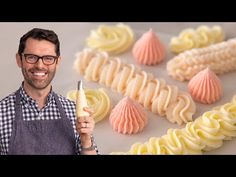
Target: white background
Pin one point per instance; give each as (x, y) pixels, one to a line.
(72, 37)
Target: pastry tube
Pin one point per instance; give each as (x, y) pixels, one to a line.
(81, 101)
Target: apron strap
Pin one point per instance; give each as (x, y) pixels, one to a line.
(61, 110)
(18, 109)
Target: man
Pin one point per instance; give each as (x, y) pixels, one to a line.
(34, 119)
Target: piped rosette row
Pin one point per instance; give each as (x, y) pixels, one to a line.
(98, 101)
(154, 94)
(220, 58)
(206, 133)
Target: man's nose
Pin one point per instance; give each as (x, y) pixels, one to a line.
(40, 63)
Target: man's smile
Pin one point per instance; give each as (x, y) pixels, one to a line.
(39, 74)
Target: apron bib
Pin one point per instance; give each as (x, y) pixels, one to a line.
(41, 137)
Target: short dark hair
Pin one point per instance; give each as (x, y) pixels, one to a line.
(40, 34)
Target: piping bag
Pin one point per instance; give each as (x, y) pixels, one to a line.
(81, 101)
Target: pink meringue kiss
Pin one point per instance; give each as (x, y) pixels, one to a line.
(149, 50)
(205, 87)
(128, 117)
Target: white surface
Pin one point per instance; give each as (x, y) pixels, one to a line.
(72, 37)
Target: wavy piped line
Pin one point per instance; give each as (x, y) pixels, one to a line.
(126, 79)
(190, 38)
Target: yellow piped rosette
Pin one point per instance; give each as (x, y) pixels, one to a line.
(97, 99)
(112, 39)
(204, 134)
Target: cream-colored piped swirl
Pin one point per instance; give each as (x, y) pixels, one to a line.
(228, 123)
(205, 87)
(112, 39)
(128, 117)
(234, 99)
(149, 50)
(204, 134)
(154, 94)
(98, 101)
(203, 36)
(220, 58)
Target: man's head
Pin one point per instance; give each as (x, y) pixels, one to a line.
(40, 34)
(38, 57)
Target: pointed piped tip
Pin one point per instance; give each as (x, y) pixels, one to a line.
(208, 69)
(151, 32)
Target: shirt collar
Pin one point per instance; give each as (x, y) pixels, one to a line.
(25, 97)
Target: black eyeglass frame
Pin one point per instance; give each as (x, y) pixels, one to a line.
(55, 58)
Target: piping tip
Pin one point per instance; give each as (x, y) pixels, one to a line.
(80, 85)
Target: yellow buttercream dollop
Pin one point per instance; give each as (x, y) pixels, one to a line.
(112, 39)
(97, 99)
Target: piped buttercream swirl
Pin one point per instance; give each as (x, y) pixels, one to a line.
(190, 38)
(98, 101)
(112, 39)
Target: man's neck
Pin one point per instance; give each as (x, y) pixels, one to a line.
(39, 95)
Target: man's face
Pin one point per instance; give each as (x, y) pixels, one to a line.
(38, 75)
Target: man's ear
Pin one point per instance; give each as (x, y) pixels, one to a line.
(18, 60)
(58, 61)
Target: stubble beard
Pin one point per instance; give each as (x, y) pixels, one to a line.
(37, 84)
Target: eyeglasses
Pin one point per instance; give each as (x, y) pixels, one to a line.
(47, 59)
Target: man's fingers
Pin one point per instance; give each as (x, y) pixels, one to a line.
(85, 119)
(82, 119)
(89, 110)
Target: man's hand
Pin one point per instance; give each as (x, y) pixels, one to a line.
(85, 127)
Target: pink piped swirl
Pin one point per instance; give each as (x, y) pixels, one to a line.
(205, 87)
(149, 50)
(128, 117)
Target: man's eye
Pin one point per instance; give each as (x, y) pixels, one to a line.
(32, 57)
(48, 58)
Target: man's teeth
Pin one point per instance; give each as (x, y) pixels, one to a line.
(39, 74)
